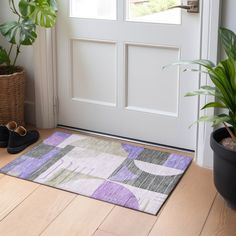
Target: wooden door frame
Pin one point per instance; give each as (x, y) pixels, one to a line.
(45, 68)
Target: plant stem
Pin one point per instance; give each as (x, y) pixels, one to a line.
(14, 8)
(17, 54)
(9, 53)
(230, 132)
(18, 46)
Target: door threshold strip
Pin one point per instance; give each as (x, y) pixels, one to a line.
(117, 137)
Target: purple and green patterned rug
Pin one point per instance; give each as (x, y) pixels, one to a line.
(123, 174)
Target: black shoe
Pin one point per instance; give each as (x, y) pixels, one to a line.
(20, 138)
(4, 133)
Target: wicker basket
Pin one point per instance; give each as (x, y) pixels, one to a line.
(12, 96)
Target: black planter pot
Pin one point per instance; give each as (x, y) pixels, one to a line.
(224, 168)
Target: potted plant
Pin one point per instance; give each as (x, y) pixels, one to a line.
(20, 32)
(223, 140)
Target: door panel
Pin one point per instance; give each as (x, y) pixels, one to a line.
(90, 75)
(145, 76)
(111, 77)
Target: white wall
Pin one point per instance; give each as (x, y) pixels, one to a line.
(26, 60)
(229, 14)
(228, 18)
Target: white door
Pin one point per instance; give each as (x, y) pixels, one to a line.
(110, 75)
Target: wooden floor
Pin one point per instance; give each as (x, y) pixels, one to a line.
(194, 208)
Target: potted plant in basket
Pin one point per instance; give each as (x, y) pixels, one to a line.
(223, 140)
(20, 32)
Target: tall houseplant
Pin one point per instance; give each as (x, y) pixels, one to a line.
(18, 33)
(223, 140)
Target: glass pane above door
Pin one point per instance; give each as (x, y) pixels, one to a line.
(95, 9)
(153, 11)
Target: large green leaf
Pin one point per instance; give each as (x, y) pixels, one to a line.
(41, 12)
(22, 32)
(4, 58)
(228, 39)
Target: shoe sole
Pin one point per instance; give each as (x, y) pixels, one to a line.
(3, 144)
(20, 148)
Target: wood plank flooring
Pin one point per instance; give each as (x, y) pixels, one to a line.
(221, 220)
(194, 208)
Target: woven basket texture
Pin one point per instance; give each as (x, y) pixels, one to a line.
(12, 97)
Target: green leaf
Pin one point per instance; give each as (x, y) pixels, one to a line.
(228, 39)
(7, 30)
(41, 12)
(205, 90)
(223, 77)
(205, 63)
(229, 66)
(215, 120)
(213, 104)
(195, 70)
(4, 58)
(223, 86)
(24, 8)
(53, 4)
(207, 87)
(22, 32)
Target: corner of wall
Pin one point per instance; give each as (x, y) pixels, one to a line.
(30, 113)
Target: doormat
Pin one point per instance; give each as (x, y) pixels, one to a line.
(119, 173)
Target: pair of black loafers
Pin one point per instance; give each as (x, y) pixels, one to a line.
(16, 138)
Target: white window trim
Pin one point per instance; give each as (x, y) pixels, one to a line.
(46, 77)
